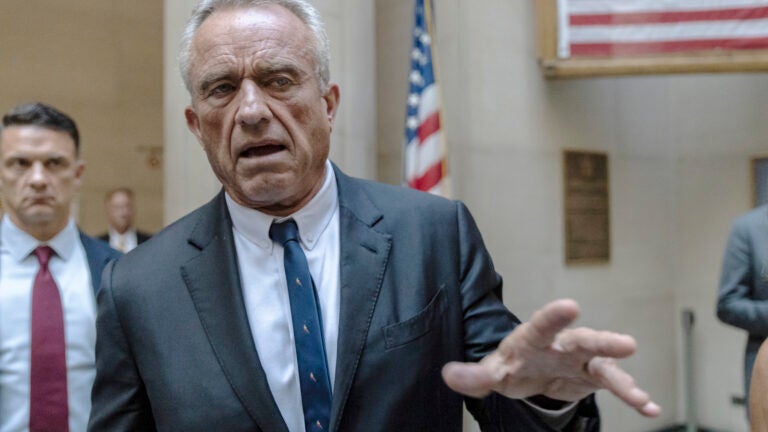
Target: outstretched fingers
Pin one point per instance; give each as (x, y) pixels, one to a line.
(545, 324)
(471, 379)
(528, 342)
(545, 356)
(622, 385)
(591, 343)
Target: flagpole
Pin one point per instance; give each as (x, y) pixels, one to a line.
(446, 186)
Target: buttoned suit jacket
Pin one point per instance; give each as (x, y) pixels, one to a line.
(743, 290)
(175, 351)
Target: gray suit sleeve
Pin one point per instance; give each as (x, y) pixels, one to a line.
(119, 401)
(486, 322)
(737, 303)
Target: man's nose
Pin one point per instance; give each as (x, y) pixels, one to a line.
(38, 175)
(254, 108)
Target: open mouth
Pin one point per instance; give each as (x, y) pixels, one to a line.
(39, 200)
(264, 150)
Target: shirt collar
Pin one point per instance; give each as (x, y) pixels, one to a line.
(129, 232)
(20, 244)
(312, 219)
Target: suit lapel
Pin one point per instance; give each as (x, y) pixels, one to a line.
(363, 257)
(98, 256)
(212, 279)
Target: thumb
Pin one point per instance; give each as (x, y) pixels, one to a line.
(470, 379)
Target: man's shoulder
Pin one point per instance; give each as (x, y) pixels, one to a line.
(165, 243)
(758, 215)
(146, 268)
(387, 196)
(97, 246)
(398, 210)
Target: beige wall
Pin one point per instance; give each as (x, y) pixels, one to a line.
(100, 62)
(678, 149)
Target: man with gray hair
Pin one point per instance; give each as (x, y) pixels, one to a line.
(301, 299)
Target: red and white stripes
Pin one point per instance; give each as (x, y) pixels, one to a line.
(424, 154)
(612, 28)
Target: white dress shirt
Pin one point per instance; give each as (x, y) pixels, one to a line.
(125, 242)
(265, 291)
(69, 267)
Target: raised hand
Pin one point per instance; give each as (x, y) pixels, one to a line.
(545, 357)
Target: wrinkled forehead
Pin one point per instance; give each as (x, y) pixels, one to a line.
(249, 28)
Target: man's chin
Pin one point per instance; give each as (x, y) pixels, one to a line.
(39, 216)
(272, 200)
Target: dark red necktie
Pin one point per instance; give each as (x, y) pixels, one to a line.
(48, 410)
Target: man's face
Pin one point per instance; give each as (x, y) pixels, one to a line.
(40, 175)
(257, 109)
(120, 211)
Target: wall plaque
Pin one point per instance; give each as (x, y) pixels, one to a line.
(586, 207)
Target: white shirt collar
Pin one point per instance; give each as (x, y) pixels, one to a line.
(312, 219)
(129, 232)
(20, 244)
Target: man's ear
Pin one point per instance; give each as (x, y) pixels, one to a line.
(193, 122)
(331, 98)
(79, 169)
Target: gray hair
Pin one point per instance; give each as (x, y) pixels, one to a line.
(301, 8)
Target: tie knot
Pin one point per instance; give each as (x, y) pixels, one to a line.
(284, 232)
(43, 254)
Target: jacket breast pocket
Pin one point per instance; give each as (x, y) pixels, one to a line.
(403, 332)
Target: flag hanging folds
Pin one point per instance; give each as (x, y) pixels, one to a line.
(424, 156)
(622, 28)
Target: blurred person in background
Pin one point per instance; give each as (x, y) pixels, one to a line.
(121, 216)
(742, 299)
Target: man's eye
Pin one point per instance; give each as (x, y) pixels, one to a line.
(222, 89)
(54, 163)
(18, 163)
(280, 82)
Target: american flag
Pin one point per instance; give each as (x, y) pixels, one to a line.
(424, 157)
(614, 28)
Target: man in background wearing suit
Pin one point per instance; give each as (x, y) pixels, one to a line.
(303, 299)
(49, 272)
(743, 293)
(121, 215)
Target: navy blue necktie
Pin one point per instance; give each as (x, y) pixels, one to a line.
(307, 329)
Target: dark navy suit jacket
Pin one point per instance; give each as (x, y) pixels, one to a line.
(98, 255)
(175, 352)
